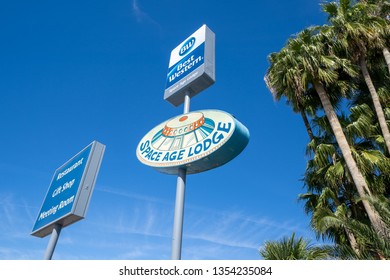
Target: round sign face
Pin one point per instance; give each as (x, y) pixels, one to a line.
(197, 141)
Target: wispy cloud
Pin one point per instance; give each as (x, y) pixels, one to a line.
(142, 16)
(235, 229)
(16, 215)
(137, 226)
(131, 195)
(139, 14)
(207, 231)
(6, 208)
(15, 228)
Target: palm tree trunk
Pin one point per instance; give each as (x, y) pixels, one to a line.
(377, 105)
(307, 124)
(386, 54)
(352, 241)
(350, 236)
(357, 176)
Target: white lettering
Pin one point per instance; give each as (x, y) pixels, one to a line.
(49, 212)
(214, 139)
(184, 66)
(62, 188)
(69, 169)
(66, 202)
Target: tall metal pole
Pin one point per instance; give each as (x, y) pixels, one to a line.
(179, 204)
(179, 215)
(187, 100)
(53, 241)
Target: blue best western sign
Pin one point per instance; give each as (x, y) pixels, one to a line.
(70, 190)
(191, 66)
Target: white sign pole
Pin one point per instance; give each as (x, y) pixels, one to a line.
(53, 241)
(179, 204)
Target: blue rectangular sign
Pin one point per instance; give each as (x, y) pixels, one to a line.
(191, 66)
(65, 197)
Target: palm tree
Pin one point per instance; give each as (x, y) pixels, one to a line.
(300, 103)
(386, 54)
(356, 29)
(311, 63)
(328, 187)
(331, 199)
(290, 248)
(369, 244)
(381, 8)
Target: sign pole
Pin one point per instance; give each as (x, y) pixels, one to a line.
(179, 215)
(187, 100)
(53, 241)
(179, 204)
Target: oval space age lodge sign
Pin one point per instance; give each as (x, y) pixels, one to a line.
(196, 141)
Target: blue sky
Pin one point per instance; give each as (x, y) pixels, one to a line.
(76, 71)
